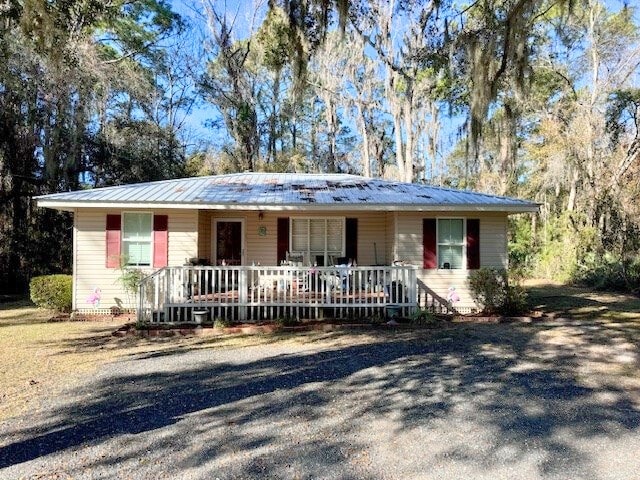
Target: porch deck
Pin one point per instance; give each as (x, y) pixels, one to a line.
(254, 293)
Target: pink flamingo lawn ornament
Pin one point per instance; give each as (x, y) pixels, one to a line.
(453, 296)
(94, 298)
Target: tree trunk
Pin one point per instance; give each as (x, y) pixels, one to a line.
(433, 132)
(332, 120)
(366, 160)
(408, 132)
(573, 191)
(271, 155)
(507, 149)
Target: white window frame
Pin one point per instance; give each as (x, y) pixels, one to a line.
(307, 253)
(464, 243)
(123, 240)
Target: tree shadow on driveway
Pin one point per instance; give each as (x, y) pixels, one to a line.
(316, 409)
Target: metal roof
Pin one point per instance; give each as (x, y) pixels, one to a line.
(275, 191)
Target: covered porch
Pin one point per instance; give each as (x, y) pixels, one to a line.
(252, 293)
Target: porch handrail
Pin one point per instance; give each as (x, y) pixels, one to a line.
(143, 292)
(284, 288)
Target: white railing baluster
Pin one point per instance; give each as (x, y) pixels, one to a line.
(256, 292)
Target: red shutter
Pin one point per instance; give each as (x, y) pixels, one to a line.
(429, 244)
(113, 240)
(473, 243)
(351, 238)
(283, 239)
(160, 241)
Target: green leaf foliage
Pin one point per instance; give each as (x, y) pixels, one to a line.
(82, 102)
(490, 288)
(52, 292)
(274, 39)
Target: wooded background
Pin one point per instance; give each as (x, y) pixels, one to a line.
(531, 98)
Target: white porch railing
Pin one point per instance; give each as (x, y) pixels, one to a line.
(173, 294)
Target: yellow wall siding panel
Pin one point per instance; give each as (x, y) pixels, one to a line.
(74, 300)
(390, 243)
(371, 230)
(91, 272)
(395, 235)
(204, 234)
(183, 235)
(263, 249)
(493, 241)
(90, 269)
(438, 283)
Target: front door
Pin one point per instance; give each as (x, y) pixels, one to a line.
(228, 242)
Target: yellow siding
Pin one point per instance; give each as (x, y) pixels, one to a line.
(183, 235)
(390, 233)
(493, 253)
(397, 236)
(204, 234)
(493, 241)
(257, 248)
(90, 271)
(372, 227)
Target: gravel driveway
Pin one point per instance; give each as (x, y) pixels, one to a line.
(549, 400)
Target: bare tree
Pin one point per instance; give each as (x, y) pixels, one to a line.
(230, 85)
(399, 37)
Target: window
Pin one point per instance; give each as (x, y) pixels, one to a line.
(451, 243)
(137, 237)
(317, 237)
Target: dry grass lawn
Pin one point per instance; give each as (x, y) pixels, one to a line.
(604, 330)
(39, 357)
(582, 303)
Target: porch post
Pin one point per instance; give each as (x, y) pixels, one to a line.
(141, 289)
(168, 286)
(413, 280)
(243, 292)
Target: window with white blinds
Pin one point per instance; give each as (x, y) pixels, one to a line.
(137, 238)
(313, 238)
(451, 243)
